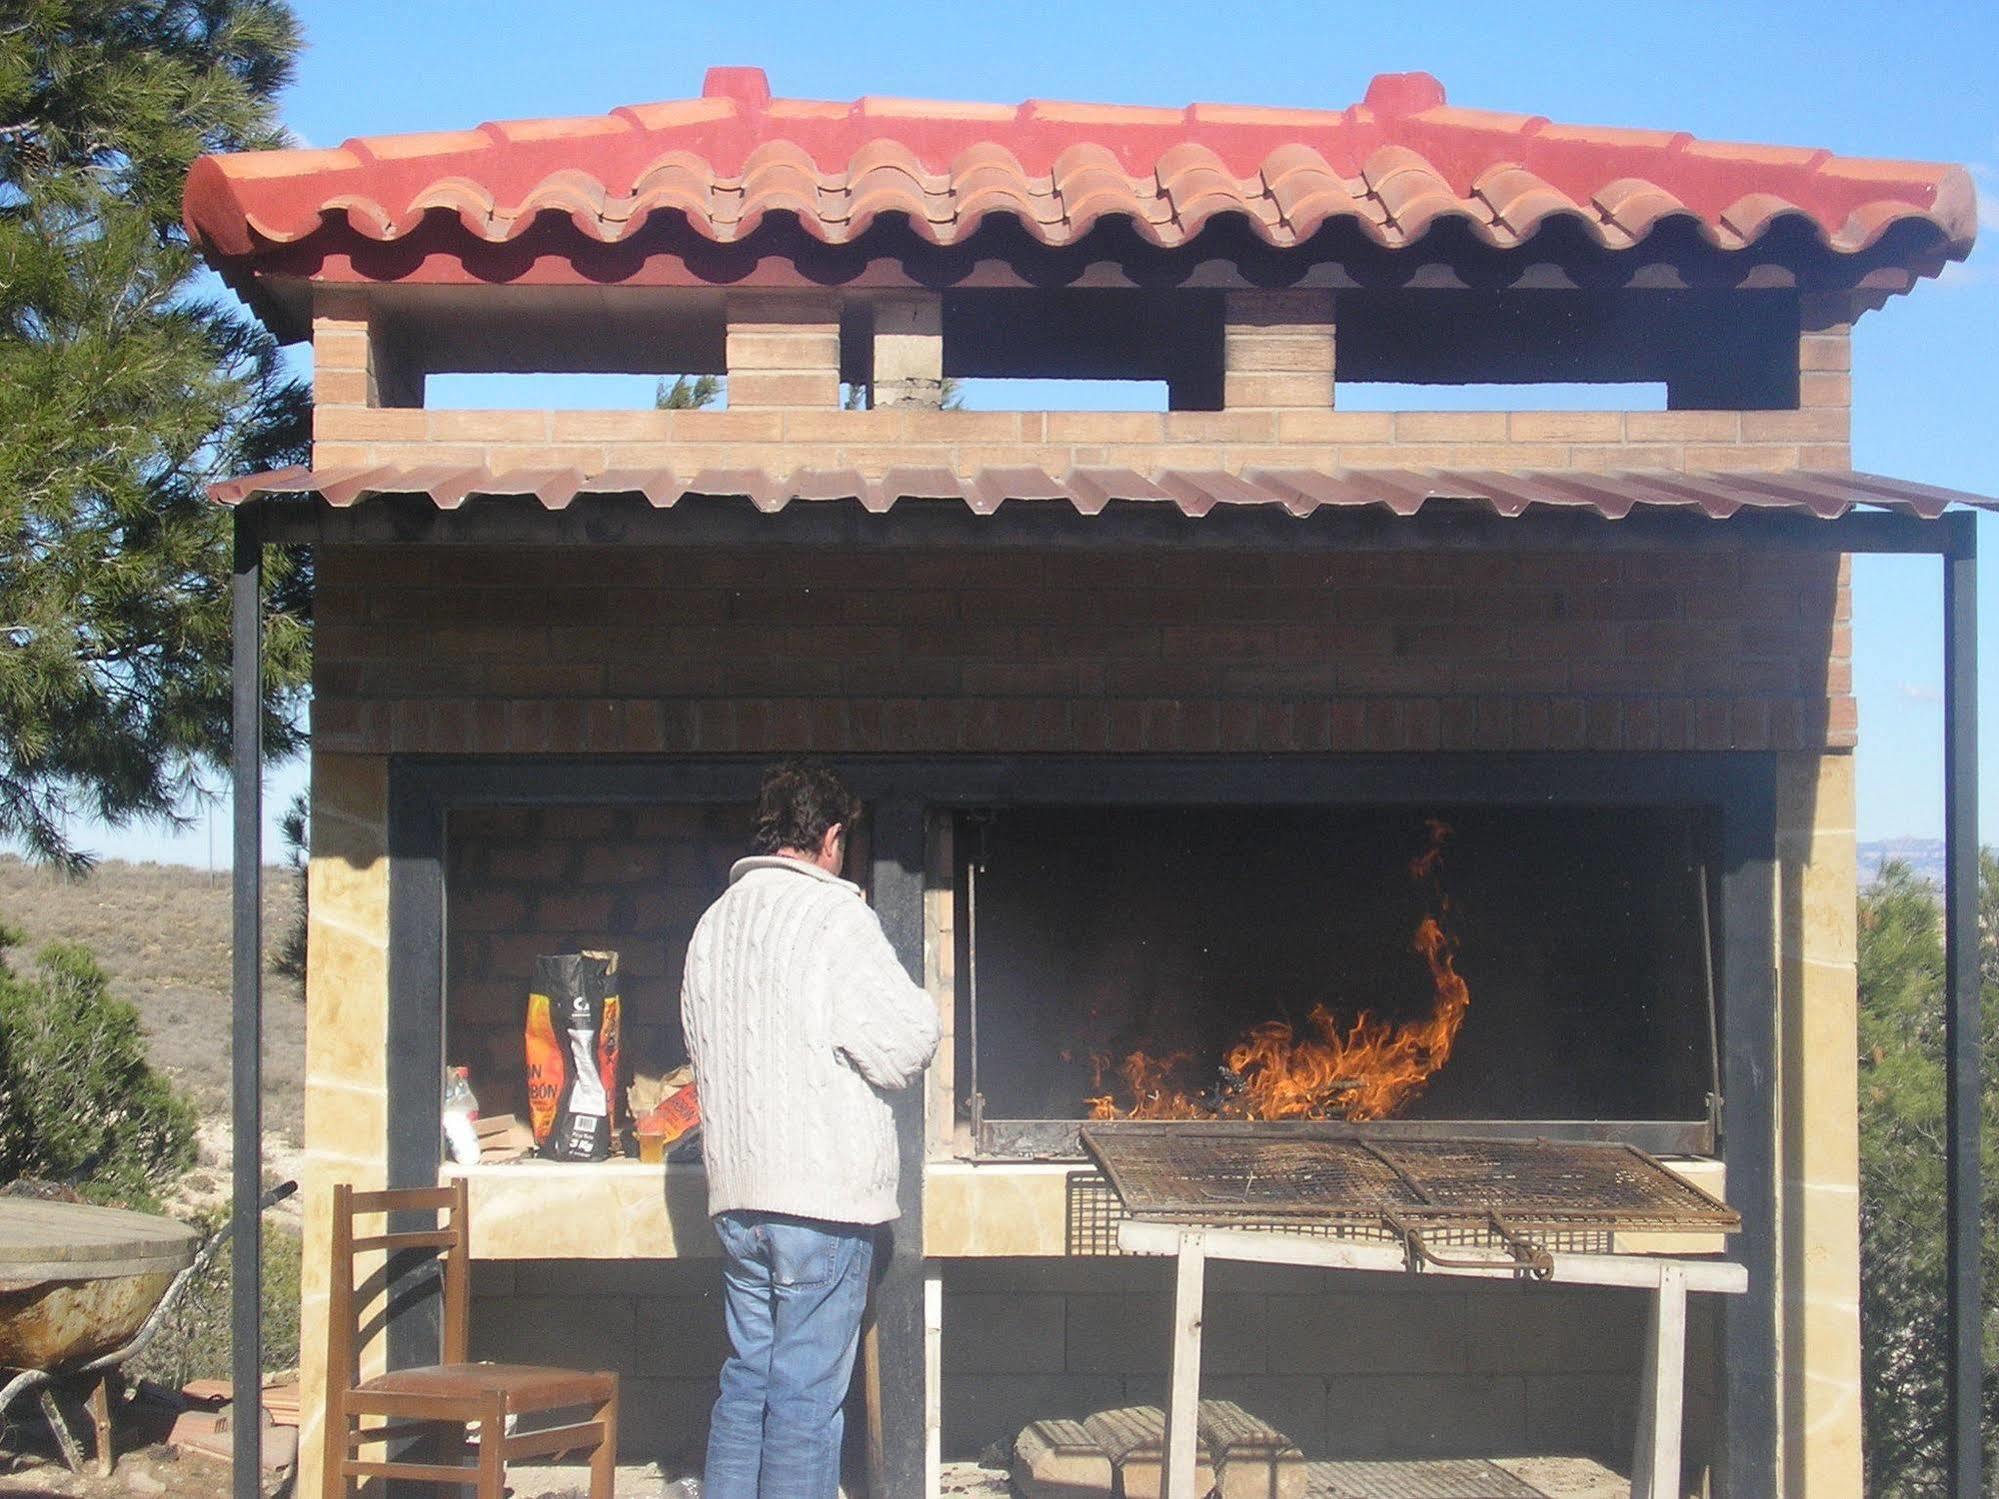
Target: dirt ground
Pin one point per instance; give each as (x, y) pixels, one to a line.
(146, 1467)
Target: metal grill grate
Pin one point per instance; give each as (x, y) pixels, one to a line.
(1095, 1211)
(1531, 1180)
(1554, 1194)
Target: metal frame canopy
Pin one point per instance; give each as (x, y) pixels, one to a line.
(402, 519)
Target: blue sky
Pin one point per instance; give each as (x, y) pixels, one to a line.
(1864, 79)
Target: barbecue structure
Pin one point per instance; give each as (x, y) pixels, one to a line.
(1152, 711)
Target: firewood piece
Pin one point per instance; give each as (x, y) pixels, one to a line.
(281, 1401)
(1135, 1439)
(1253, 1459)
(1060, 1460)
(503, 1138)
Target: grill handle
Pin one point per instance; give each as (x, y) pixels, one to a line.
(1531, 1260)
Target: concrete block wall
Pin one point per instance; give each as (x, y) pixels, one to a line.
(1348, 1365)
(657, 1324)
(663, 650)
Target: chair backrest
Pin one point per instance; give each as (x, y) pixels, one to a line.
(446, 1240)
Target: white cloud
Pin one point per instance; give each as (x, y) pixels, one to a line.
(1918, 692)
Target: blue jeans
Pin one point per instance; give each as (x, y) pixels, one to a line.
(794, 1291)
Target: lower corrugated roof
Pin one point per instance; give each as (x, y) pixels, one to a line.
(1826, 493)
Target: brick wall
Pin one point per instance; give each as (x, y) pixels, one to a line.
(784, 440)
(657, 650)
(520, 883)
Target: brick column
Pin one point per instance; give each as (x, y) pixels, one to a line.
(783, 351)
(1277, 349)
(909, 353)
(1818, 431)
(1825, 379)
(355, 370)
(353, 363)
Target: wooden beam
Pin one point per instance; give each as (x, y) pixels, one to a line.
(1183, 1403)
(1262, 1247)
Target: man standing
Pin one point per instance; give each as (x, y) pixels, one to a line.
(799, 1021)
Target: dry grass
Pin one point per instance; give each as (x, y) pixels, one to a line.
(162, 932)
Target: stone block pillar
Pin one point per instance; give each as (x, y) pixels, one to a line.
(909, 353)
(1277, 350)
(347, 1006)
(1819, 1163)
(783, 351)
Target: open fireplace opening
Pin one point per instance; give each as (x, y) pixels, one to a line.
(1511, 967)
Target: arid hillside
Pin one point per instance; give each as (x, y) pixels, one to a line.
(162, 933)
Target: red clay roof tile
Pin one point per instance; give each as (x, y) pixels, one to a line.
(1396, 164)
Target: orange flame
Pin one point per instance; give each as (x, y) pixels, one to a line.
(1370, 1069)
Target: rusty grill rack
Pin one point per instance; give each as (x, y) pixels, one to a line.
(1095, 1211)
(1525, 1198)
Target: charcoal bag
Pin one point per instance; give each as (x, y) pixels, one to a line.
(572, 1054)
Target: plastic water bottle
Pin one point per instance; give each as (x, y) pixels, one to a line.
(460, 1109)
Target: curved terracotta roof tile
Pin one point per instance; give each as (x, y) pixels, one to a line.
(1394, 165)
(1631, 205)
(1519, 200)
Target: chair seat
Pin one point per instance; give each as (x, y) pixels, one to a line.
(525, 1387)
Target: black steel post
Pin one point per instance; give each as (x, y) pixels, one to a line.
(898, 894)
(247, 1005)
(1962, 1019)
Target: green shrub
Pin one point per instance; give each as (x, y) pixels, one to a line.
(194, 1342)
(79, 1103)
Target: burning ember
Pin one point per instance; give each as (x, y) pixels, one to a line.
(1362, 1069)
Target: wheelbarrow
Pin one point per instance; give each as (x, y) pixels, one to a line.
(82, 1290)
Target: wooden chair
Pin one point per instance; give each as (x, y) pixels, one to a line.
(441, 1403)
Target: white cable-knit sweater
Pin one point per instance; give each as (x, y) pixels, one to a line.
(798, 1017)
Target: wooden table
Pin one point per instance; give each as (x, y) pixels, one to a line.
(1655, 1470)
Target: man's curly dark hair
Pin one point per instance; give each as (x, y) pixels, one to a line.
(798, 802)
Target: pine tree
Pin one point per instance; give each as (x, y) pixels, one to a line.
(687, 393)
(128, 381)
(1902, 1176)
